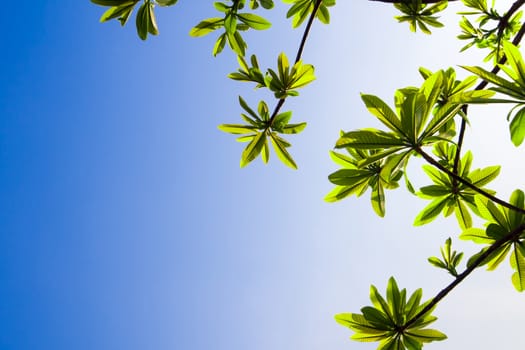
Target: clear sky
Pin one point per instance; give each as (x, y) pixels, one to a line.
(126, 223)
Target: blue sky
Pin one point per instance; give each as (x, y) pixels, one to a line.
(126, 223)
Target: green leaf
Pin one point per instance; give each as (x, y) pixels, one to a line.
(496, 231)
(265, 152)
(253, 149)
(254, 21)
(369, 337)
(206, 26)
(380, 303)
(280, 149)
(431, 211)
(433, 191)
(441, 117)
(517, 199)
(142, 21)
(219, 44)
(112, 2)
(517, 127)
(515, 60)
(375, 318)
(293, 128)
(412, 306)
(368, 139)
(152, 21)
(476, 235)
(343, 160)
(281, 120)
(166, 2)
(481, 177)
(517, 262)
(301, 75)
(411, 343)
(426, 335)
(236, 42)
(246, 138)
(247, 108)
(230, 23)
(463, 215)
(340, 192)
(122, 12)
(357, 323)
(511, 88)
(383, 112)
(437, 262)
(236, 128)
(323, 14)
(378, 199)
(437, 176)
(377, 156)
(489, 211)
(395, 301)
(497, 257)
(349, 177)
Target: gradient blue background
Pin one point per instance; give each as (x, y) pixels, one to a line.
(126, 223)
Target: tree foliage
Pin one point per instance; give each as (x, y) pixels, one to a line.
(429, 120)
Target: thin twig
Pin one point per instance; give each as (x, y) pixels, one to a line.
(299, 53)
(513, 235)
(461, 180)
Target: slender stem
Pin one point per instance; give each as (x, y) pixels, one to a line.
(461, 180)
(511, 236)
(457, 157)
(299, 53)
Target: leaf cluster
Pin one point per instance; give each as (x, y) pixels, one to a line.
(260, 128)
(500, 223)
(450, 258)
(421, 15)
(121, 10)
(449, 196)
(514, 88)
(355, 180)
(422, 117)
(283, 82)
(390, 321)
(233, 22)
(492, 29)
(302, 9)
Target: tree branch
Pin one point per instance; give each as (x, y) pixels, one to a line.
(465, 182)
(299, 53)
(513, 235)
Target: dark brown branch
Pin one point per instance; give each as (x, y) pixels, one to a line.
(513, 235)
(299, 53)
(461, 180)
